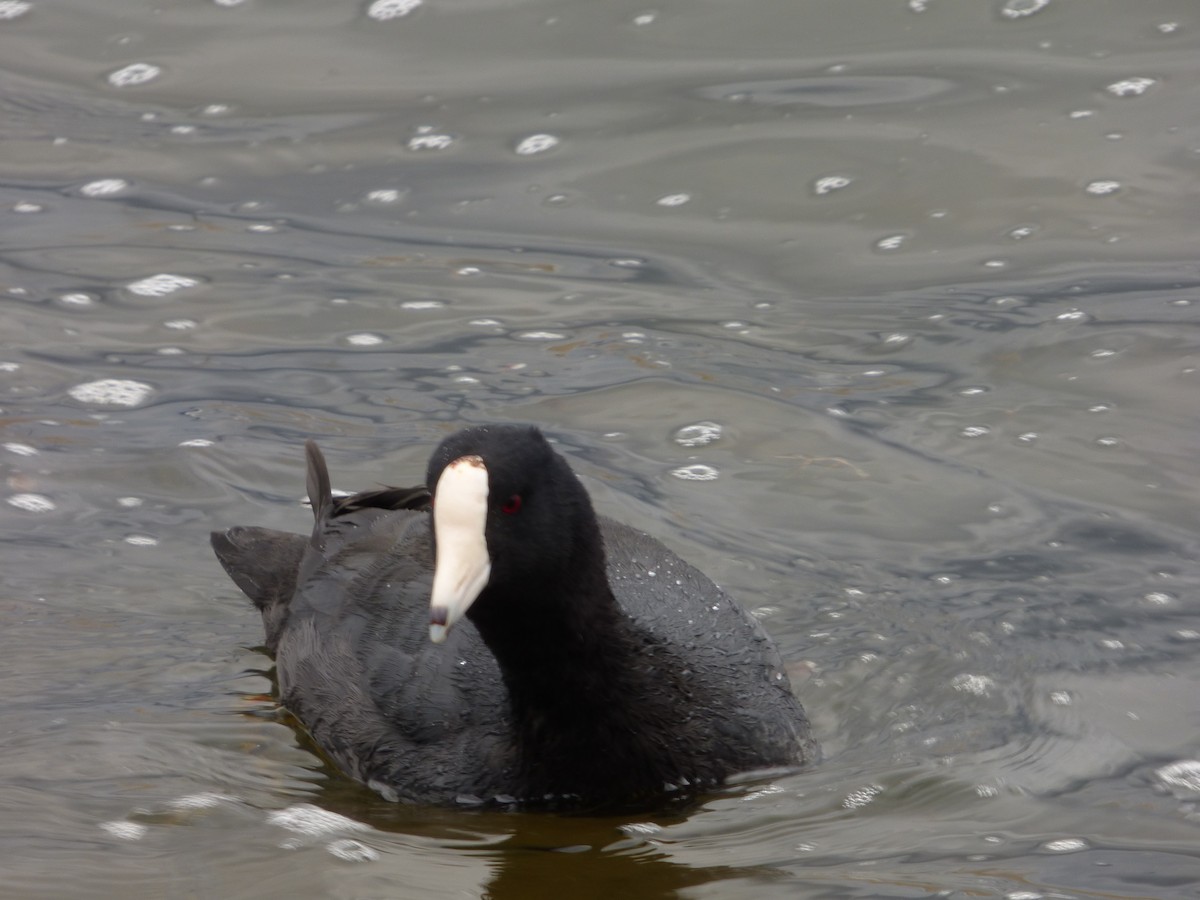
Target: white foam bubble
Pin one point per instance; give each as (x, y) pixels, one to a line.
(36, 503)
(862, 796)
(201, 800)
(698, 435)
(1073, 315)
(160, 285)
(104, 187)
(352, 851)
(829, 184)
(427, 139)
(14, 9)
(1131, 87)
(696, 472)
(979, 685)
(1019, 9)
(111, 392)
(20, 449)
(126, 831)
(305, 818)
(384, 196)
(134, 74)
(1183, 774)
(536, 143)
(382, 10)
(1066, 845)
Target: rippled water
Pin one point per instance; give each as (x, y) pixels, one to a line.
(885, 313)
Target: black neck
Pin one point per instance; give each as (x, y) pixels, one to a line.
(596, 702)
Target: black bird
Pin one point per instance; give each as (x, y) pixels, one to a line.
(491, 640)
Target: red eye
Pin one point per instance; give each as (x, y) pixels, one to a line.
(511, 505)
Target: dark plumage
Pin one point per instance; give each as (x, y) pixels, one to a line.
(595, 668)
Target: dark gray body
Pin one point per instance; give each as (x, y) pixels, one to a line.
(347, 616)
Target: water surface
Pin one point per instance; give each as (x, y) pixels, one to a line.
(928, 267)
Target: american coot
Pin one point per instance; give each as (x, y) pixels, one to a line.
(497, 642)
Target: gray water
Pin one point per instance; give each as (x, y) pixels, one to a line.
(928, 267)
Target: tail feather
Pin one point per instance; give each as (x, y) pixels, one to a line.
(320, 490)
(264, 564)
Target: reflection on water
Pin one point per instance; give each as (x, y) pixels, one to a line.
(885, 317)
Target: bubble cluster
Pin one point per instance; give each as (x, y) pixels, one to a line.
(1131, 87)
(427, 139)
(125, 830)
(979, 685)
(1183, 774)
(1073, 315)
(1019, 9)
(384, 196)
(35, 503)
(830, 183)
(673, 199)
(352, 851)
(14, 9)
(699, 435)
(862, 796)
(111, 392)
(104, 187)
(200, 800)
(696, 472)
(160, 285)
(305, 818)
(134, 74)
(536, 143)
(382, 10)
(1065, 845)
